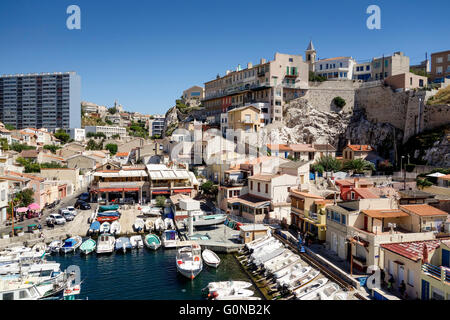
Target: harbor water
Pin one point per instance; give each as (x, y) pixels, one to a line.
(145, 275)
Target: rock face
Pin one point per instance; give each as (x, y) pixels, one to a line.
(171, 121)
(439, 154)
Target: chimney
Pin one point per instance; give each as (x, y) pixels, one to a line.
(262, 61)
(349, 142)
(249, 65)
(356, 180)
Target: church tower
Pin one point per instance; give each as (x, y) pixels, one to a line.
(310, 56)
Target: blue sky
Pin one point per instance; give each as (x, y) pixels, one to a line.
(145, 53)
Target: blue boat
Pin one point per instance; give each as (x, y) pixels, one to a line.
(71, 244)
(123, 243)
(108, 214)
(95, 227)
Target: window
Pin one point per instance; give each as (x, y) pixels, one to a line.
(259, 187)
(291, 60)
(411, 277)
(410, 81)
(439, 60)
(251, 185)
(439, 70)
(343, 219)
(267, 188)
(386, 63)
(352, 195)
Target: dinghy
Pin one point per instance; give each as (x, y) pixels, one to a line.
(269, 256)
(287, 270)
(293, 276)
(136, 242)
(115, 228)
(71, 244)
(159, 225)
(105, 227)
(309, 288)
(149, 225)
(211, 259)
(113, 207)
(105, 243)
(189, 260)
(304, 280)
(280, 265)
(94, 228)
(208, 220)
(55, 246)
(225, 294)
(269, 265)
(152, 241)
(40, 248)
(88, 246)
(254, 243)
(123, 244)
(169, 224)
(212, 286)
(138, 225)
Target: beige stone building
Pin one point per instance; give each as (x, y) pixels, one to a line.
(406, 81)
(194, 92)
(440, 66)
(384, 67)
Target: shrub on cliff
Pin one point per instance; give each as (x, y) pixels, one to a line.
(339, 102)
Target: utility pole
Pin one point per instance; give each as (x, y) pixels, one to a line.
(12, 217)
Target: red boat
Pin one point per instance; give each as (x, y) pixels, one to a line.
(107, 219)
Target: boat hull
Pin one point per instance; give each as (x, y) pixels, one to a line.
(190, 273)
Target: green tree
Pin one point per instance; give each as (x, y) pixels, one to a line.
(20, 147)
(316, 77)
(25, 198)
(115, 136)
(52, 165)
(9, 127)
(339, 102)
(92, 145)
(52, 147)
(208, 188)
(112, 148)
(4, 144)
(359, 166)
(62, 136)
(160, 201)
(112, 110)
(326, 163)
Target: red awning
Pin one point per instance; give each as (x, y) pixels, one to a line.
(182, 190)
(161, 192)
(110, 190)
(131, 189)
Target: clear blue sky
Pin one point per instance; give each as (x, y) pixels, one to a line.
(145, 53)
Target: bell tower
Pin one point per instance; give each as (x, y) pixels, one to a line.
(310, 56)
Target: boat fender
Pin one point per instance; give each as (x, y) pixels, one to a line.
(196, 259)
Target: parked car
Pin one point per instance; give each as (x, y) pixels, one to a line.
(84, 197)
(56, 219)
(85, 206)
(68, 216)
(72, 210)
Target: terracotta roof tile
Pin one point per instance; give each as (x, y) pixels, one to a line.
(386, 213)
(423, 210)
(305, 194)
(412, 250)
(360, 147)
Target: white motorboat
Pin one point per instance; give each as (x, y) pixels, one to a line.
(39, 248)
(159, 225)
(115, 228)
(274, 253)
(293, 259)
(256, 242)
(294, 276)
(148, 225)
(286, 270)
(55, 246)
(152, 241)
(169, 238)
(139, 225)
(266, 248)
(212, 286)
(304, 280)
(105, 243)
(189, 260)
(211, 259)
(105, 227)
(329, 291)
(341, 296)
(226, 294)
(260, 246)
(271, 264)
(203, 220)
(71, 245)
(151, 211)
(34, 269)
(309, 288)
(136, 242)
(169, 224)
(18, 291)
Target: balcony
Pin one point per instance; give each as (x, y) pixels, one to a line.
(235, 183)
(439, 273)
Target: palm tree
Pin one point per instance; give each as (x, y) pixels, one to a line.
(359, 165)
(327, 163)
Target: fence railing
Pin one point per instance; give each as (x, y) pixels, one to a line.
(436, 271)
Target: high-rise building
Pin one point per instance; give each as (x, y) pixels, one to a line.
(46, 100)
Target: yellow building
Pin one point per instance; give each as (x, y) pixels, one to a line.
(308, 213)
(245, 118)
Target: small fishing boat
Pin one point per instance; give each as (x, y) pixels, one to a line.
(211, 259)
(280, 265)
(169, 239)
(71, 245)
(212, 286)
(169, 224)
(208, 220)
(88, 246)
(309, 288)
(226, 294)
(304, 280)
(159, 225)
(113, 207)
(55, 246)
(40, 248)
(148, 225)
(329, 291)
(272, 254)
(189, 260)
(254, 243)
(271, 264)
(105, 243)
(136, 242)
(105, 227)
(123, 244)
(138, 225)
(293, 276)
(341, 296)
(287, 270)
(151, 211)
(152, 241)
(94, 228)
(115, 228)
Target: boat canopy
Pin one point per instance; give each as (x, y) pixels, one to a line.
(113, 207)
(95, 225)
(70, 242)
(108, 214)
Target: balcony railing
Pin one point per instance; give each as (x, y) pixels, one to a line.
(235, 183)
(437, 272)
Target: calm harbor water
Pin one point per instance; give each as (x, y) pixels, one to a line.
(144, 275)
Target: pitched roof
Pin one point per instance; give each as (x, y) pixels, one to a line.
(293, 164)
(386, 213)
(29, 154)
(412, 250)
(264, 177)
(423, 210)
(365, 193)
(336, 58)
(324, 147)
(279, 147)
(446, 177)
(310, 46)
(122, 154)
(360, 147)
(299, 147)
(305, 194)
